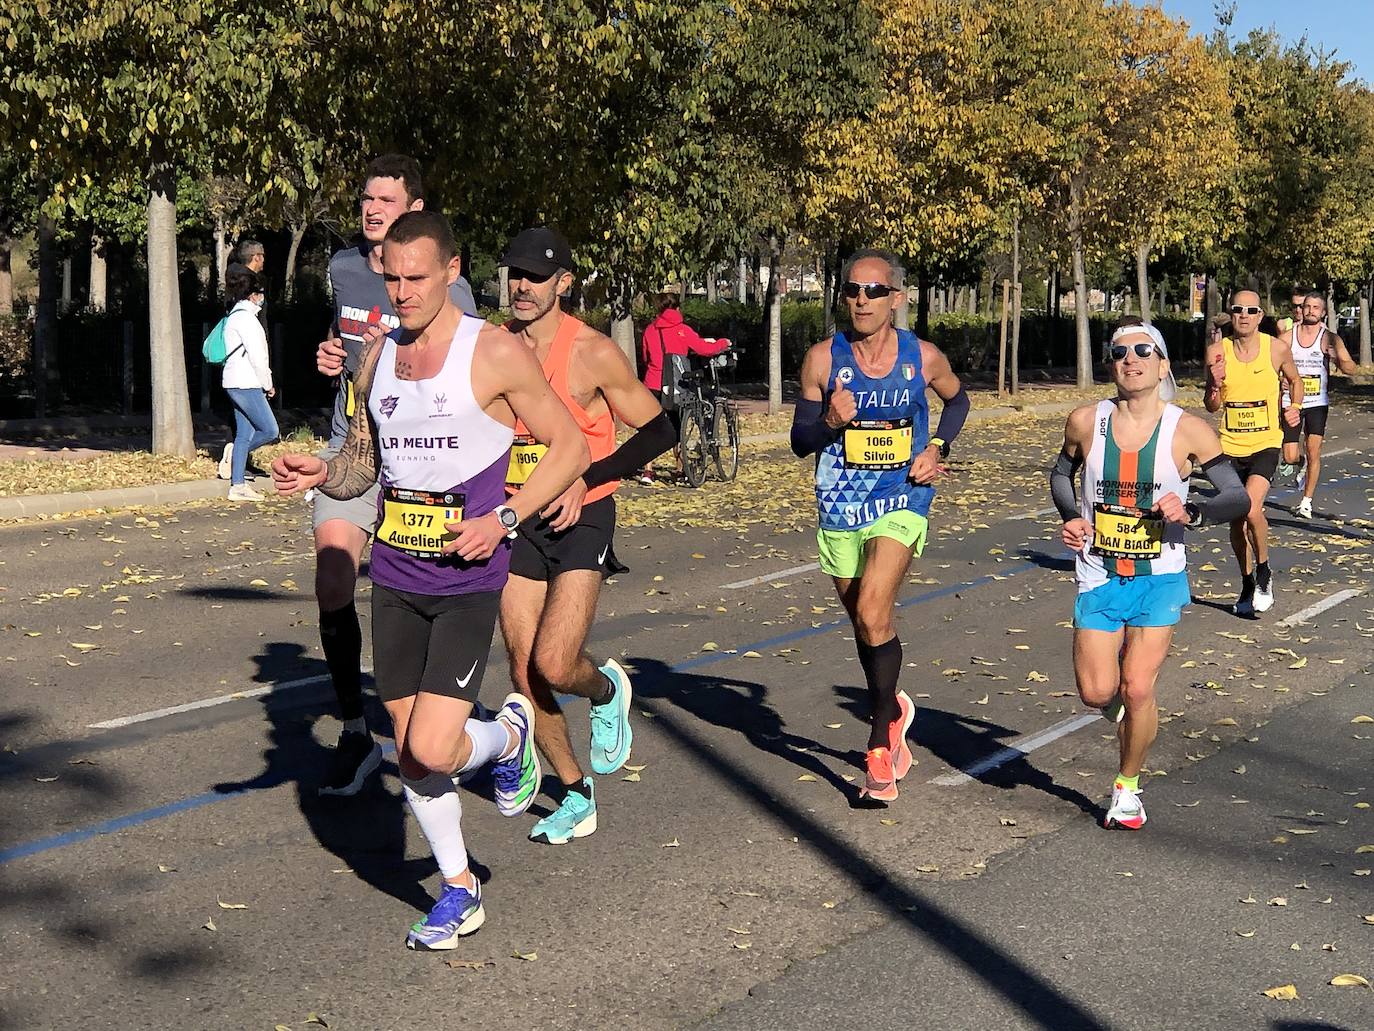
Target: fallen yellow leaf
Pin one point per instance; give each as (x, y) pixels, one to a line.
(1283, 991)
(1349, 981)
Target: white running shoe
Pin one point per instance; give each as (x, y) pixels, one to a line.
(243, 492)
(1264, 593)
(1304, 509)
(1115, 710)
(1126, 810)
(226, 462)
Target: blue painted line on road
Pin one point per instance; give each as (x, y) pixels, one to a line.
(75, 837)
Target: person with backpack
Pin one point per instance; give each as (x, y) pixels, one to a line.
(667, 343)
(247, 377)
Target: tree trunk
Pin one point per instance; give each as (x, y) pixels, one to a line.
(171, 400)
(742, 280)
(297, 235)
(1365, 355)
(828, 296)
(1333, 321)
(923, 292)
(774, 324)
(503, 288)
(45, 325)
(6, 280)
(757, 272)
(97, 294)
(711, 284)
(1142, 277)
(221, 258)
(622, 317)
(1084, 356)
(67, 283)
(901, 314)
(1015, 301)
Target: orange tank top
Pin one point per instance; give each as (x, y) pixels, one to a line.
(526, 452)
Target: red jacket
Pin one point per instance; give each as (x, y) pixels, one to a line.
(668, 334)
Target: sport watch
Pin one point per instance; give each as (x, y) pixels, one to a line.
(508, 519)
(942, 444)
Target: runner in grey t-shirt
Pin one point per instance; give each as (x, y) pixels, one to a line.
(392, 186)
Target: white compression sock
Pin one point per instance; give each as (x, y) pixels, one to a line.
(490, 740)
(439, 812)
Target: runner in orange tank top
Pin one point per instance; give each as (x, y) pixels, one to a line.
(561, 555)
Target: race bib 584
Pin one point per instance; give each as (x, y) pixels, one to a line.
(878, 444)
(414, 521)
(1126, 532)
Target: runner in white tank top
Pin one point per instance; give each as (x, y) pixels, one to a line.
(1125, 527)
(438, 404)
(1313, 347)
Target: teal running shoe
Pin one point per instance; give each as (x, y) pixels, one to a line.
(517, 778)
(611, 731)
(575, 818)
(457, 913)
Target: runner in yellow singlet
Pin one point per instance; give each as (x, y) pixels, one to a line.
(1243, 374)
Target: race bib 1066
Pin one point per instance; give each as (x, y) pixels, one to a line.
(1126, 532)
(1247, 416)
(878, 444)
(414, 521)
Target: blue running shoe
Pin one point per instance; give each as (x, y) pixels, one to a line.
(575, 818)
(612, 734)
(458, 912)
(517, 778)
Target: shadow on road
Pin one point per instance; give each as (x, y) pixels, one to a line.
(740, 705)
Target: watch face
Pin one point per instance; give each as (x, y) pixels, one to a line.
(508, 518)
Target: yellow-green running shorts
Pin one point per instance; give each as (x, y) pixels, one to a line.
(842, 551)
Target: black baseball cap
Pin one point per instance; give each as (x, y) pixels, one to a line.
(540, 250)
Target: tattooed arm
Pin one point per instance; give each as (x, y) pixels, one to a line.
(351, 472)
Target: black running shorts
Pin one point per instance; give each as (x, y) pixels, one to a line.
(541, 554)
(1262, 463)
(438, 644)
(1313, 423)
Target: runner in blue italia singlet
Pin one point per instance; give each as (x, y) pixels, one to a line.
(862, 412)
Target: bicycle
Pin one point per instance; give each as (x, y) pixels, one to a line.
(709, 428)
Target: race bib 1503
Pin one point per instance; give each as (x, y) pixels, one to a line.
(878, 444)
(1247, 416)
(414, 521)
(1126, 532)
(525, 453)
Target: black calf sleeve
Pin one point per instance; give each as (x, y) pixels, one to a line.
(342, 639)
(882, 665)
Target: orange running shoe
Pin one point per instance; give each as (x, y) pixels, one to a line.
(901, 749)
(879, 784)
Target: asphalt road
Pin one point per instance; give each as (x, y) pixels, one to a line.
(164, 861)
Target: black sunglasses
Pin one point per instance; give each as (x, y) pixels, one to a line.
(1246, 309)
(1118, 351)
(515, 273)
(872, 291)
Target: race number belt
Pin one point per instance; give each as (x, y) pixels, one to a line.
(1311, 386)
(413, 521)
(525, 453)
(1247, 416)
(1126, 532)
(878, 444)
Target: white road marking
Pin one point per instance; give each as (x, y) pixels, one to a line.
(1337, 453)
(1016, 749)
(1034, 515)
(770, 576)
(206, 703)
(1317, 609)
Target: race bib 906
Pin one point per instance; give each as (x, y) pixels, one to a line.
(1126, 532)
(878, 444)
(414, 521)
(525, 454)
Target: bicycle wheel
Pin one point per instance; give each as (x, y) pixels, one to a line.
(725, 445)
(692, 441)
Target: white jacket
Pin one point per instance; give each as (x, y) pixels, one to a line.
(246, 344)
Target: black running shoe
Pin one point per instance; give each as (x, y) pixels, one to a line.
(355, 758)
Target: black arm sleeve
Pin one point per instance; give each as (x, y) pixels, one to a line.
(810, 434)
(953, 416)
(649, 441)
(1231, 501)
(1061, 487)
